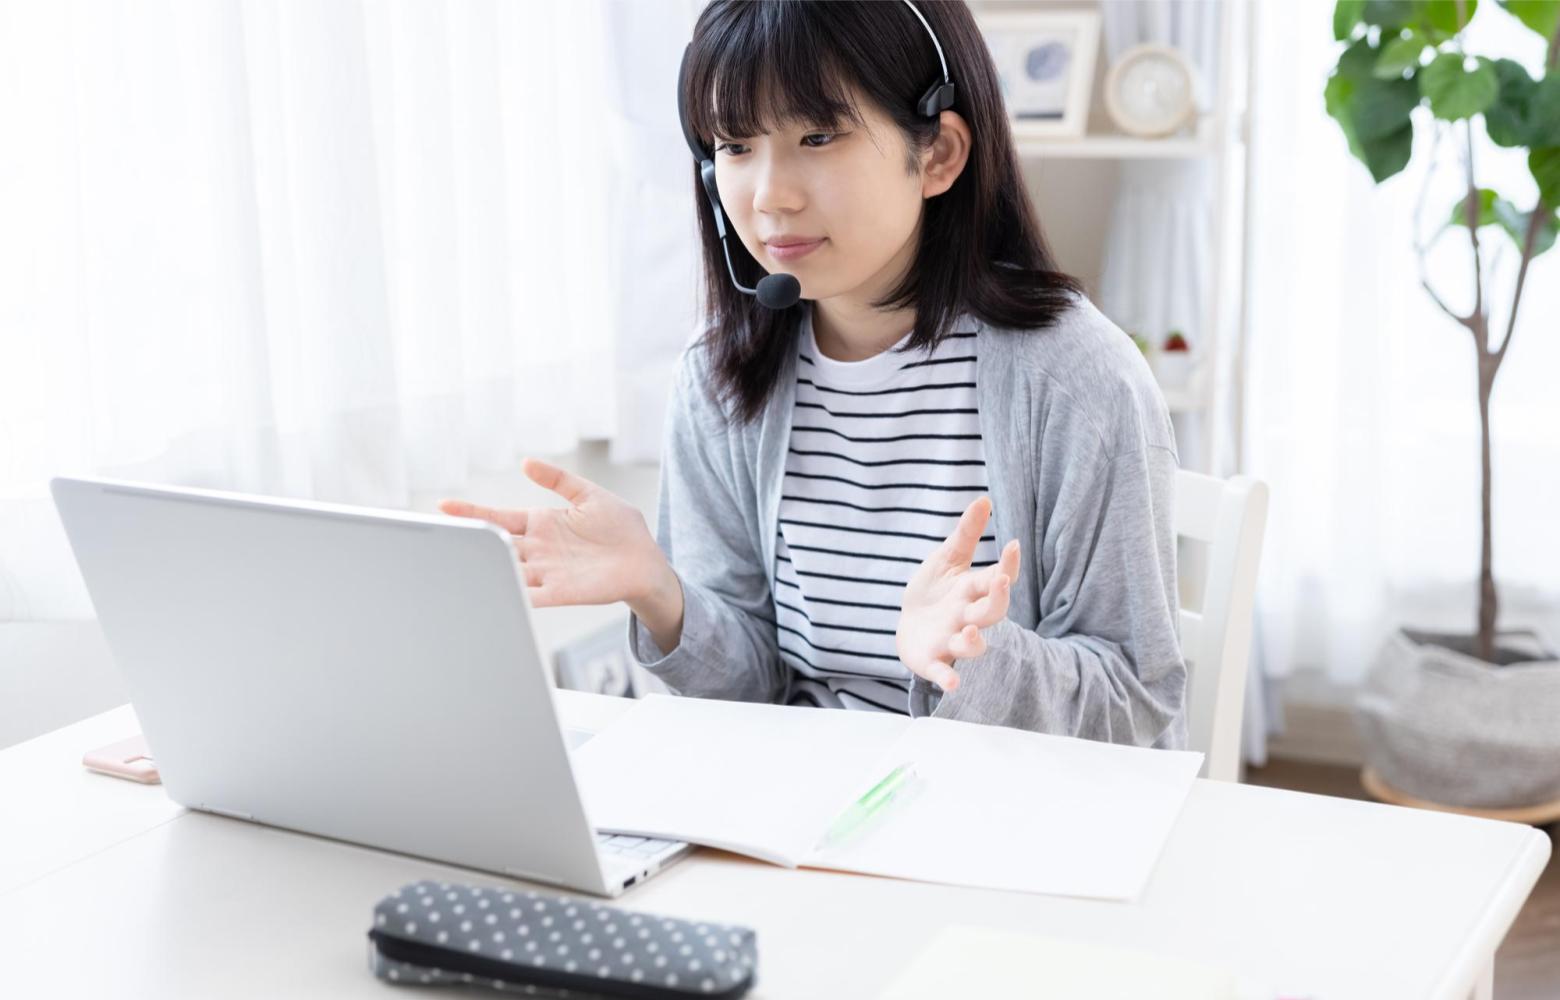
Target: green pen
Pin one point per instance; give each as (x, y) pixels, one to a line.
(857, 812)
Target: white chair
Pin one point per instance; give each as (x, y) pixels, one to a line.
(1229, 516)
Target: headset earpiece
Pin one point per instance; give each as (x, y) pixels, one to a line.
(707, 176)
(937, 99)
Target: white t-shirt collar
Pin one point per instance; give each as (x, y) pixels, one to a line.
(853, 374)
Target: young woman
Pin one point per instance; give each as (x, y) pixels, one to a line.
(832, 466)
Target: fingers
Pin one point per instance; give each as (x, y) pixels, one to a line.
(977, 583)
(562, 482)
(990, 590)
(1009, 561)
(959, 549)
(967, 643)
(992, 607)
(942, 674)
(512, 521)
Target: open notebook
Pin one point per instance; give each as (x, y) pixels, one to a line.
(990, 806)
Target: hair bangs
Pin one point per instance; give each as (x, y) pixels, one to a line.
(766, 73)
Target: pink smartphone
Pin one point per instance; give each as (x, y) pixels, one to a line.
(126, 759)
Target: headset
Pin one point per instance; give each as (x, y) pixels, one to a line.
(781, 291)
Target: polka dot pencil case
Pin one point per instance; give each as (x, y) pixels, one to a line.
(544, 944)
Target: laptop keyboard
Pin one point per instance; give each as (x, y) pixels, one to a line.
(629, 847)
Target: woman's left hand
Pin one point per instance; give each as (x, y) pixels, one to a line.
(946, 603)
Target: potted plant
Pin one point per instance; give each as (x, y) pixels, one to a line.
(1173, 362)
(1469, 721)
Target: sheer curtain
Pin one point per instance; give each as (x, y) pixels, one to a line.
(1360, 396)
(343, 250)
(1158, 250)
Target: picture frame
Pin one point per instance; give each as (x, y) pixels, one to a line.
(1045, 64)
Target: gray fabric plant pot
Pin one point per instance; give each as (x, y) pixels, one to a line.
(1449, 728)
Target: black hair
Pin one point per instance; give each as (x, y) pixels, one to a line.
(777, 62)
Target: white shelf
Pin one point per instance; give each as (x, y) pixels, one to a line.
(1218, 140)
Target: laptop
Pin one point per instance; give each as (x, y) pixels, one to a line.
(370, 676)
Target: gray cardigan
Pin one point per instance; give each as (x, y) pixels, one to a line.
(1080, 461)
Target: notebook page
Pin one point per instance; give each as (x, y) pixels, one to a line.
(762, 780)
(1003, 808)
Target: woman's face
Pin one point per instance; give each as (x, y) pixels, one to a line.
(849, 189)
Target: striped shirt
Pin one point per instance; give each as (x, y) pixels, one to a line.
(884, 456)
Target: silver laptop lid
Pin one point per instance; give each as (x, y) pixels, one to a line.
(360, 674)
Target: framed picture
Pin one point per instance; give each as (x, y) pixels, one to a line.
(1045, 67)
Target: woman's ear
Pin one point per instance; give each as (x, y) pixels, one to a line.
(942, 163)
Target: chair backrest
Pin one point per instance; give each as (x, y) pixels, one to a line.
(1229, 516)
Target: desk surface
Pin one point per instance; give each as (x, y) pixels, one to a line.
(1303, 894)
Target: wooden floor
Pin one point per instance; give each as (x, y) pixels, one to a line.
(1527, 966)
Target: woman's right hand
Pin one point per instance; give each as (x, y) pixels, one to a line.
(597, 550)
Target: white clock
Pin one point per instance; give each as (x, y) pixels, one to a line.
(1150, 92)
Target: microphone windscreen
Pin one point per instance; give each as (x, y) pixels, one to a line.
(779, 291)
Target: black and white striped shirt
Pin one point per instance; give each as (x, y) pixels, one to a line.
(884, 456)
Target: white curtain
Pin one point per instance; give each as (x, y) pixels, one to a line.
(1159, 267)
(1158, 249)
(342, 249)
(1360, 396)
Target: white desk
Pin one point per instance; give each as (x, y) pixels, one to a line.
(108, 889)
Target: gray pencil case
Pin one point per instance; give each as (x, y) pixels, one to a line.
(544, 944)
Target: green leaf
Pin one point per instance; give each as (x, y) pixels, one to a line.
(1487, 200)
(1374, 114)
(1339, 94)
(1347, 14)
(1390, 14)
(1516, 223)
(1442, 15)
(1506, 119)
(1358, 61)
(1544, 113)
(1497, 211)
(1388, 154)
(1454, 92)
(1398, 55)
(1544, 163)
(1540, 15)
(1381, 107)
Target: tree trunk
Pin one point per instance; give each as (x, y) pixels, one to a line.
(1488, 602)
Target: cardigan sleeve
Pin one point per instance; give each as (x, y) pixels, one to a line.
(728, 647)
(1104, 660)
